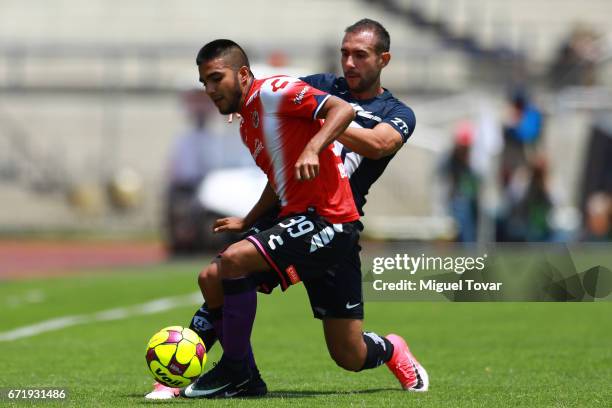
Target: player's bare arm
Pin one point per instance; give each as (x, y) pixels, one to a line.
(338, 114)
(267, 200)
(376, 143)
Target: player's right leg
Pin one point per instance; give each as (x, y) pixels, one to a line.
(297, 247)
(207, 322)
(232, 374)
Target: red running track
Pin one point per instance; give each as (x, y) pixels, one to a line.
(24, 259)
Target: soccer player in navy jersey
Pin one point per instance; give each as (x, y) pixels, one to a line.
(381, 126)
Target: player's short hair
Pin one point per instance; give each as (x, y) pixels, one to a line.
(383, 39)
(228, 49)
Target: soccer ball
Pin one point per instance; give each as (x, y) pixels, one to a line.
(176, 356)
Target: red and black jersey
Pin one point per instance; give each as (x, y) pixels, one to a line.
(278, 121)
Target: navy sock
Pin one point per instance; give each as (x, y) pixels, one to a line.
(379, 350)
(239, 307)
(218, 324)
(203, 323)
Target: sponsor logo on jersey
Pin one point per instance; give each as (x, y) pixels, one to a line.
(300, 96)
(277, 85)
(400, 124)
(255, 117)
(292, 274)
(364, 113)
(258, 148)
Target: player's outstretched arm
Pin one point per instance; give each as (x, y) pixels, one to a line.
(267, 200)
(338, 114)
(376, 143)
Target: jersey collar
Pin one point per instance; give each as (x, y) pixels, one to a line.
(248, 96)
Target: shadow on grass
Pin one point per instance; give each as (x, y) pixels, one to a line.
(314, 393)
(280, 394)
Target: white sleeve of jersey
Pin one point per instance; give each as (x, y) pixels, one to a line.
(272, 91)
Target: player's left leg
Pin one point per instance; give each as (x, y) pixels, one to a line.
(336, 298)
(352, 348)
(355, 350)
(345, 343)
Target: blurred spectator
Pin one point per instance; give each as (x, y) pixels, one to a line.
(195, 153)
(575, 63)
(188, 163)
(522, 132)
(598, 222)
(597, 173)
(528, 205)
(199, 149)
(463, 184)
(188, 166)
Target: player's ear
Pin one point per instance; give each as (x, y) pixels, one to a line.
(243, 74)
(385, 57)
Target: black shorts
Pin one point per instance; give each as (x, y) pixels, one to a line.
(338, 293)
(302, 246)
(328, 263)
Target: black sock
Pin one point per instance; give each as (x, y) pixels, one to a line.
(379, 350)
(203, 324)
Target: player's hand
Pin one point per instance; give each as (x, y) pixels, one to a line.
(307, 165)
(231, 224)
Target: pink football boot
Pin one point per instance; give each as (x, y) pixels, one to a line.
(411, 375)
(161, 392)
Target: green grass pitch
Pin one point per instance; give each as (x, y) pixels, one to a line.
(478, 354)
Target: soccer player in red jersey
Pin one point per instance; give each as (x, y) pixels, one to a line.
(383, 124)
(316, 226)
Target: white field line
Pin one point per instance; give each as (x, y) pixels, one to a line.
(152, 307)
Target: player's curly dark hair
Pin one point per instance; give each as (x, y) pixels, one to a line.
(236, 56)
(383, 38)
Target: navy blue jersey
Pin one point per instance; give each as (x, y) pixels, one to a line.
(384, 108)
